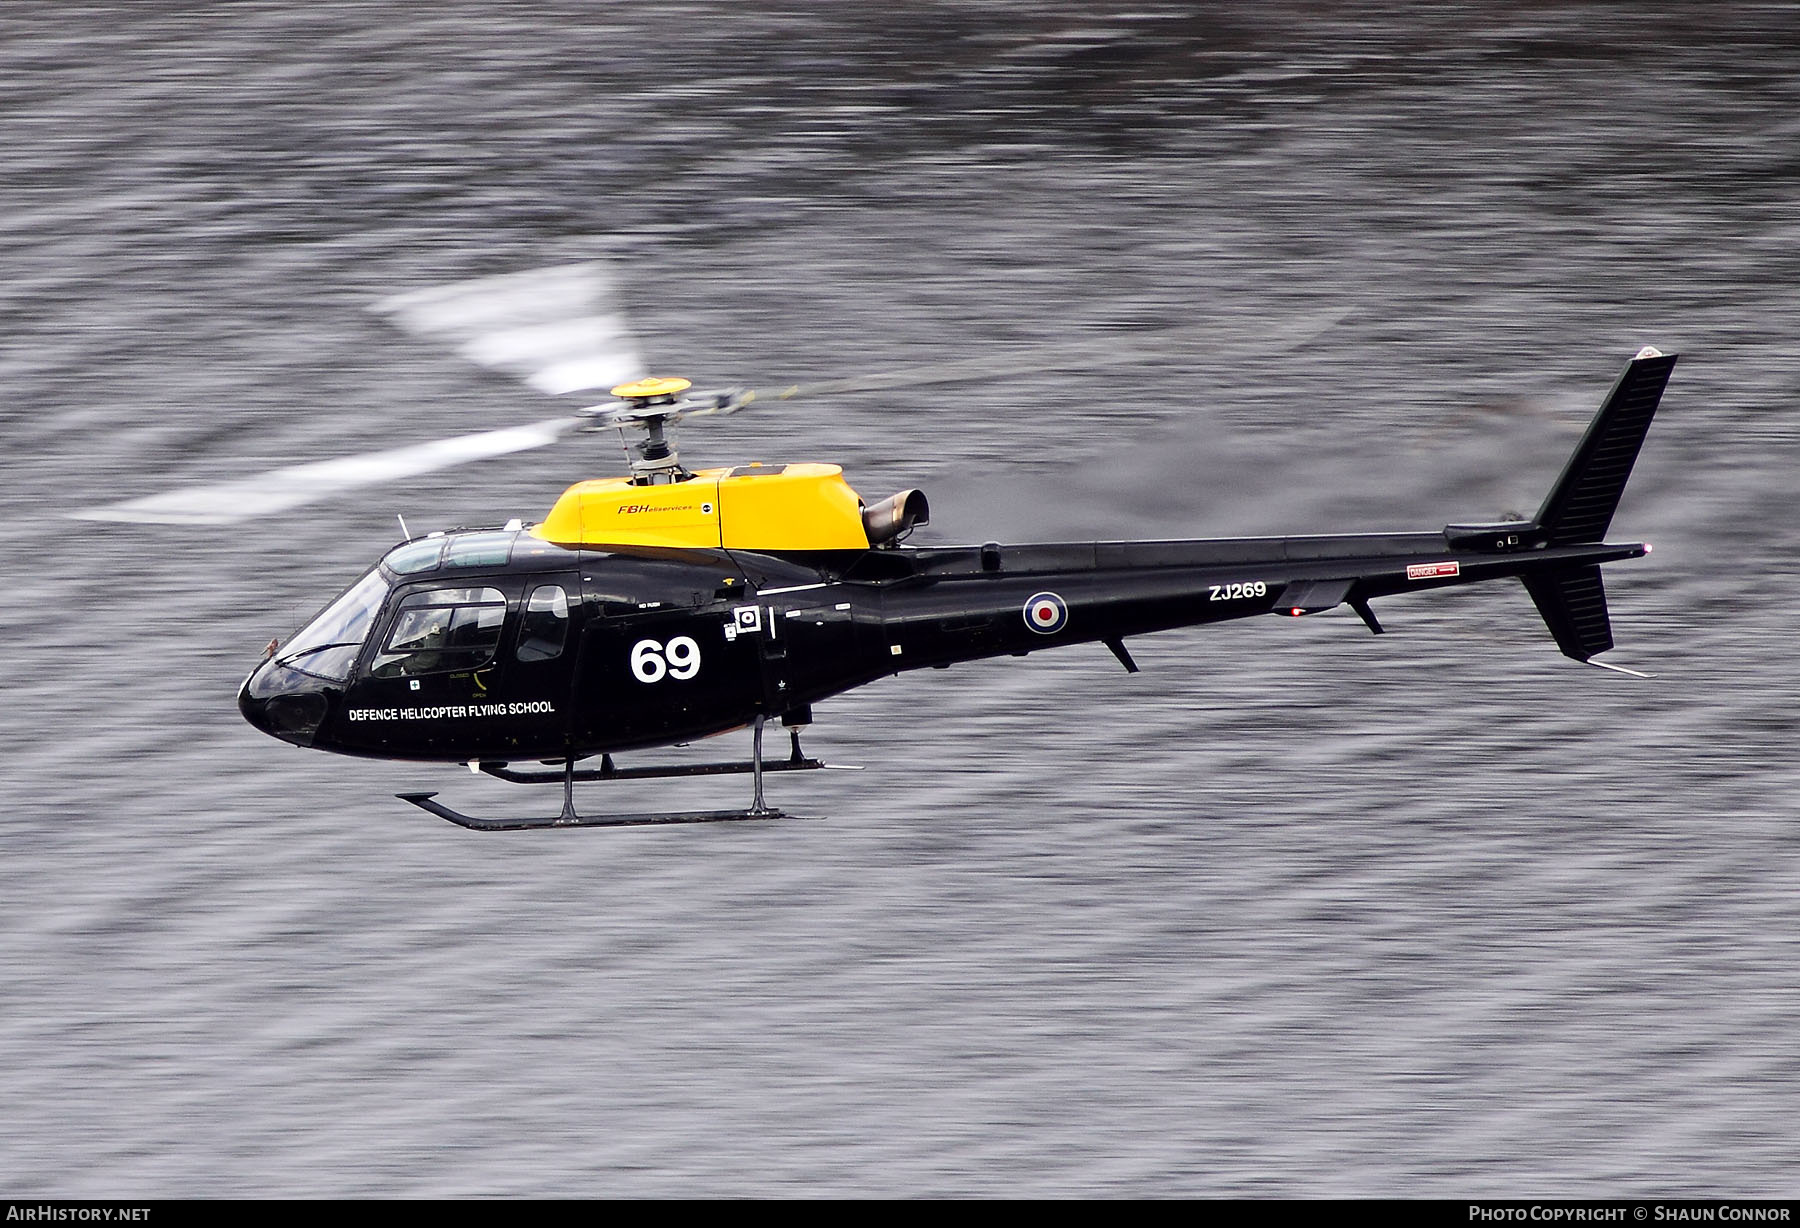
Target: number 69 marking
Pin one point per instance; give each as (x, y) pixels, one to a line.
(648, 663)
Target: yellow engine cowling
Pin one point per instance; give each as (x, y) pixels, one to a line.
(777, 507)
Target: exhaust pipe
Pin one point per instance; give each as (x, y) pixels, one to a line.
(895, 516)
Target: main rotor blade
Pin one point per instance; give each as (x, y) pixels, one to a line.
(280, 489)
(560, 329)
(1276, 339)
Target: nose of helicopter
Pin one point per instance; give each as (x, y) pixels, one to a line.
(284, 703)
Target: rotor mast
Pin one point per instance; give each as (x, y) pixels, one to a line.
(656, 463)
(651, 405)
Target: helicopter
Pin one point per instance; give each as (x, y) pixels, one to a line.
(670, 604)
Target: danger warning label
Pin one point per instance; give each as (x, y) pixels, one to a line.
(1432, 571)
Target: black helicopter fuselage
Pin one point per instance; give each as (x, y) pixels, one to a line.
(513, 649)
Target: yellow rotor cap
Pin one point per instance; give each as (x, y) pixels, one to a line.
(652, 386)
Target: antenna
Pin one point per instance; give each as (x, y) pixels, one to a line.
(403, 533)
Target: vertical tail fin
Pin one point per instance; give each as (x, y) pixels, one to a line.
(1581, 504)
(1580, 507)
(1573, 603)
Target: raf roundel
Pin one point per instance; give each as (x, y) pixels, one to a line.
(1046, 614)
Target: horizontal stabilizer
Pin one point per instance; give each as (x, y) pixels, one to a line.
(1314, 596)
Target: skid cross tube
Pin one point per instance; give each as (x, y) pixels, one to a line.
(795, 762)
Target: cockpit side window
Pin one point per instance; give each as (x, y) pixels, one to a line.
(544, 625)
(439, 629)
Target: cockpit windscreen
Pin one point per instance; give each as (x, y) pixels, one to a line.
(327, 647)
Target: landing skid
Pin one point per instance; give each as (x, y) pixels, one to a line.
(427, 802)
(796, 762)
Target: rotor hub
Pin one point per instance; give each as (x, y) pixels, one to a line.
(649, 404)
(652, 389)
